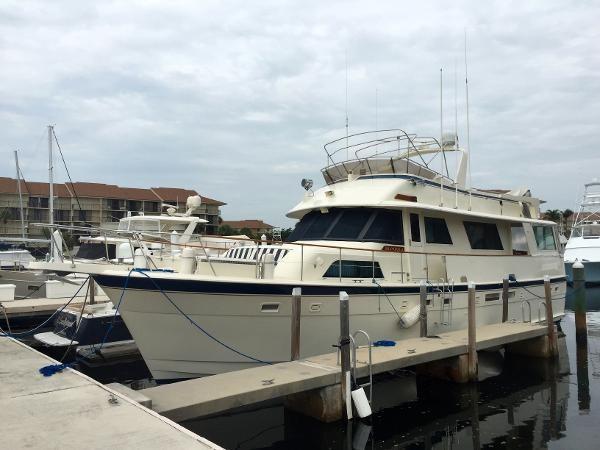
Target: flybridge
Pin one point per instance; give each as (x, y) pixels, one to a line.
(392, 151)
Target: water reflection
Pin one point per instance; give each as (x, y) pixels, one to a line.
(524, 407)
(532, 403)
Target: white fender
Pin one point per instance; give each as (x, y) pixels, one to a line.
(410, 317)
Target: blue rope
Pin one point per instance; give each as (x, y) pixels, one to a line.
(33, 330)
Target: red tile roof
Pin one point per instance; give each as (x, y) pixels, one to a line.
(251, 224)
(101, 190)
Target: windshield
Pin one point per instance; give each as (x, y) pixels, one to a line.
(95, 250)
(587, 230)
(351, 224)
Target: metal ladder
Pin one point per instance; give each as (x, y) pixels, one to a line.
(353, 347)
(445, 290)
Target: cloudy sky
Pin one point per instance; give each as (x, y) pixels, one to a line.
(236, 99)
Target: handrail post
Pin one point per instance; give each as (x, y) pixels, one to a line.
(504, 299)
(472, 339)
(550, 317)
(296, 314)
(423, 302)
(345, 353)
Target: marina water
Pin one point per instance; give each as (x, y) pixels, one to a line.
(524, 404)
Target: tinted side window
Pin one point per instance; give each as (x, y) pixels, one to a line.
(415, 231)
(386, 227)
(483, 236)
(354, 269)
(436, 231)
(544, 236)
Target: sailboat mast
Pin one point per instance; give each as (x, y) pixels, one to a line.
(20, 194)
(51, 183)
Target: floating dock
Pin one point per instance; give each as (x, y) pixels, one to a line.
(71, 411)
(28, 312)
(314, 383)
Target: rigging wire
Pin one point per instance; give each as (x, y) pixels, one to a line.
(68, 174)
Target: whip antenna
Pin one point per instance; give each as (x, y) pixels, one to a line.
(468, 128)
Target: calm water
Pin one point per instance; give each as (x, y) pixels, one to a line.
(531, 404)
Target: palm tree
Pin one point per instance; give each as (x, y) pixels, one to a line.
(553, 214)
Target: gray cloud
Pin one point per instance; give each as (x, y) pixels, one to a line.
(236, 99)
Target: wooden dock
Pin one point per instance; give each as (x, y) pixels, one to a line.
(218, 393)
(71, 411)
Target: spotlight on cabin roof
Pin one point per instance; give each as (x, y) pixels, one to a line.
(306, 183)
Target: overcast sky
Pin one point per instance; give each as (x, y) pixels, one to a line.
(236, 99)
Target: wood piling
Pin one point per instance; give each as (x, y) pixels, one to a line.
(296, 314)
(472, 337)
(345, 353)
(550, 318)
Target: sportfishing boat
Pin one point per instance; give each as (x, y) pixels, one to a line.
(584, 243)
(384, 222)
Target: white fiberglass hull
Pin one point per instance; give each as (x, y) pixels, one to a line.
(253, 317)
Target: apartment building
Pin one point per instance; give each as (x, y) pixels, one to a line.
(91, 204)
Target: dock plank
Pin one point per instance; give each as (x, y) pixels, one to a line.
(72, 411)
(210, 395)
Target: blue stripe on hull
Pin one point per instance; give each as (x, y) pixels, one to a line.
(220, 287)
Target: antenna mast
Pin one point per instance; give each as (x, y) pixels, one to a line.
(468, 128)
(346, 104)
(455, 136)
(20, 194)
(51, 184)
(442, 142)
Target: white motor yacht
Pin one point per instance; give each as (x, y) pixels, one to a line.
(384, 222)
(584, 243)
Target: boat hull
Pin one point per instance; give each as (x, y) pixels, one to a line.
(186, 328)
(592, 272)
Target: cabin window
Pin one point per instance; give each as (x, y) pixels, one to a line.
(354, 269)
(436, 231)
(356, 224)
(519, 240)
(95, 250)
(544, 236)
(587, 230)
(386, 227)
(483, 236)
(350, 223)
(320, 224)
(415, 230)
